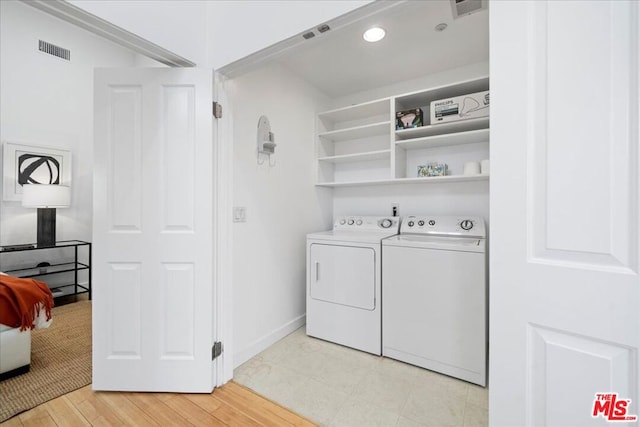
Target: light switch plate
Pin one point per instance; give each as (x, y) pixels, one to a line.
(239, 214)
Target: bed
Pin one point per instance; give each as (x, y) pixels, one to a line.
(15, 344)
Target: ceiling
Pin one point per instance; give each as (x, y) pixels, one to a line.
(339, 62)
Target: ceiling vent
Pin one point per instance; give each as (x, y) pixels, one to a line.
(54, 50)
(467, 7)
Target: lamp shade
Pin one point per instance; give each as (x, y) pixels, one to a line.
(46, 196)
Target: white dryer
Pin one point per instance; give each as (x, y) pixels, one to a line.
(435, 296)
(344, 281)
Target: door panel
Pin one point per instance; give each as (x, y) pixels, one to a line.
(343, 275)
(153, 278)
(565, 290)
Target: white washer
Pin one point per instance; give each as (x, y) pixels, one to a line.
(344, 281)
(435, 296)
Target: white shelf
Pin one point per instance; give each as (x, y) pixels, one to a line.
(357, 157)
(424, 97)
(458, 138)
(443, 128)
(357, 132)
(359, 111)
(425, 180)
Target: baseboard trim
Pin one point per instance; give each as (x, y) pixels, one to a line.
(268, 340)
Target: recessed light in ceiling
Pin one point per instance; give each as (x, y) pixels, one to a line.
(374, 34)
(441, 27)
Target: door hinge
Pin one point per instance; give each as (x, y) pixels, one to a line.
(217, 110)
(216, 350)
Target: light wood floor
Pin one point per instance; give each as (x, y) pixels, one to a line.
(230, 405)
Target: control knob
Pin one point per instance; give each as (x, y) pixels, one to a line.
(351, 221)
(359, 222)
(421, 223)
(342, 221)
(386, 223)
(466, 224)
(432, 222)
(410, 223)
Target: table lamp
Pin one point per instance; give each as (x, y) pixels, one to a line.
(46, 197)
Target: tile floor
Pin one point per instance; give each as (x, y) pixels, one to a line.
(337, 386)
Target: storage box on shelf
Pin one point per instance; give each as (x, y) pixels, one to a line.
(359, 144)
(65, 267)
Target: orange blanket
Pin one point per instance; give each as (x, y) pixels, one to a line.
(20, 301)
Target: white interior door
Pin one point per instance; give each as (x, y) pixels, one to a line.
(565, 290)
(153, 236)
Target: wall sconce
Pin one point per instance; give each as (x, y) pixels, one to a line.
(266, 140)
(46, 197)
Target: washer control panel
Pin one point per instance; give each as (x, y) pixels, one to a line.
(471, 226)
(367, 223)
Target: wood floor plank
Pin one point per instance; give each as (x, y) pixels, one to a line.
(205, 401)
(12, 422)
(233, 417)
(79, 395)
(267, 404)
(124, 409)
(253, 408)
(192, 412)
(97, 412)
(37, 417)
(230, 405)
(64, 413)
(156, 409)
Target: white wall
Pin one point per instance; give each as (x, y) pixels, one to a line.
(47, 101)
(470, 198)
(283, 205)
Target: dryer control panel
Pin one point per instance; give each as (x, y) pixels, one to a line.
(470, 226)
(367, 223)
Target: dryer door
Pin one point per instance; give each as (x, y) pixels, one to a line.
(343, 275)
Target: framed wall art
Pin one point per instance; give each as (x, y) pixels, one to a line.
(30, 164)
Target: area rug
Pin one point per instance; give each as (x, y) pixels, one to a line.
(60, 361)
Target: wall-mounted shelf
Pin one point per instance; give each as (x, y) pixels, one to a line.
(458, 138)
(359, 145)
(444, 128)
(356, 112)
(357, 157)
(356, 132)
(424, 180)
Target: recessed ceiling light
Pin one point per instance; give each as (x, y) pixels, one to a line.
(374, 34)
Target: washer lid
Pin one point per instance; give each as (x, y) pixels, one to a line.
(463, 244)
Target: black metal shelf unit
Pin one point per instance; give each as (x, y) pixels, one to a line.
(80, 262)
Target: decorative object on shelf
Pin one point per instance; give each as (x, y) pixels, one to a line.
(433, 169)
(464, 107)
(42, 267)
(46, 197)
(266, 138)
(27, 164)
(471, 168)
(484, 167)
(408, 119)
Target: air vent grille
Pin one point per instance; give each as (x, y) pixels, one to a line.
(54, 50)
(467, 7)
